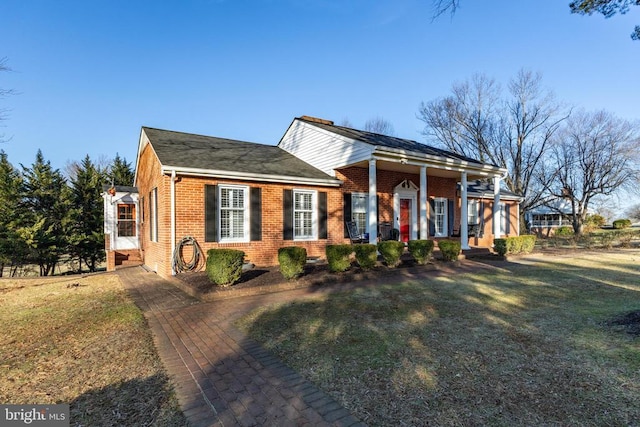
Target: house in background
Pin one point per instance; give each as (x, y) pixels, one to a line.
(258, 198)
(545, 219)
(481, 193)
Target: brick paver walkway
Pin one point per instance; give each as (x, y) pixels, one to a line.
(221, 377)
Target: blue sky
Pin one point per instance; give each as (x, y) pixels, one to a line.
(89, 74)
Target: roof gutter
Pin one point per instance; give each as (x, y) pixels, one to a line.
(212, 173)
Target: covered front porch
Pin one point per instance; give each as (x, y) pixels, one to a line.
(422, 198)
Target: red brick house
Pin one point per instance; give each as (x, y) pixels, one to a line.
(258, 198)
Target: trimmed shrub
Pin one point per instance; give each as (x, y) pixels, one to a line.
(500, 246)
(338, 257)
(564, 231)
(528, 243)
(292, 260)
(366, 255)
(391, 251)
(619, 224)
(450, 249)
(224, 266)
(421, 250)
(595, 220)
(514, 245)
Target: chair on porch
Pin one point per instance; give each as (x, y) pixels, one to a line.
(386, 232)
(474, 230)
(354, 235)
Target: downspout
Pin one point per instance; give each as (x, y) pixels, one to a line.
(173, 218)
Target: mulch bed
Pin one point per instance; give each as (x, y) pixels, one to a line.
(261, 280)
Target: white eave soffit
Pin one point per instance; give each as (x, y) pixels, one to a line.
(221, 174)
(420, 159)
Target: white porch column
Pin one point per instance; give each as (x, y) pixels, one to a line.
(424, 225)
(496, 207)
(373, 208)
(464, 220)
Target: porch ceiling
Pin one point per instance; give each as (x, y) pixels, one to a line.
(415, 169)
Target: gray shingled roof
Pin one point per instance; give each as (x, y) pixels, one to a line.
(482, 186)
(120, 188)
(390, 141)
(178, 149)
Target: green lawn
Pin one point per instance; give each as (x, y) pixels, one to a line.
(529, 343)
(82, 341)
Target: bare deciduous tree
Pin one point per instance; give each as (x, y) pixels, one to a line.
(465, 121)
(379, 125)
(512, 132)
(633, 212)
(530, 119)
(607, 8)
(443, 6)
(345, 122)
(595, 154)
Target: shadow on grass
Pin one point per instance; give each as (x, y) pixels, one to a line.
(513, 344)
(137, 402)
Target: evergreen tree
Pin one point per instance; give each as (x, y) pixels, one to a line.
(121, 172)
(45, 219)
(12, 248)
(87, 237)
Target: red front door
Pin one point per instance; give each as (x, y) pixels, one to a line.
(405, 220)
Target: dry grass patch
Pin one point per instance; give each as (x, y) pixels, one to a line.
(529, 344)
(82, 341)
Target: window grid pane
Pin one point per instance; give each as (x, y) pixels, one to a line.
(359, 206)
(472, 217)
(303, 215)
(232, 213)
(303, 202)
(439, 208)
(126, 220)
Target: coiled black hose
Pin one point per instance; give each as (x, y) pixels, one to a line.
(178, 262)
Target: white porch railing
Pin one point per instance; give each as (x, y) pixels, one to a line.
(547, 224)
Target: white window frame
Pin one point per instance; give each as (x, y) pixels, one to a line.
(129, 221)
(297, 235)
(473, 211)
(245, 216)
(444, 203)
(364, 219)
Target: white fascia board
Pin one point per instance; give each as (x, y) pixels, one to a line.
(244, 176)
(421, 159)
(142, 143)
(476, 195)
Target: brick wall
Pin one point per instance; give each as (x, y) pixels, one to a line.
(190, 211)
(356, 179)
(190, 217)
(156, 254)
